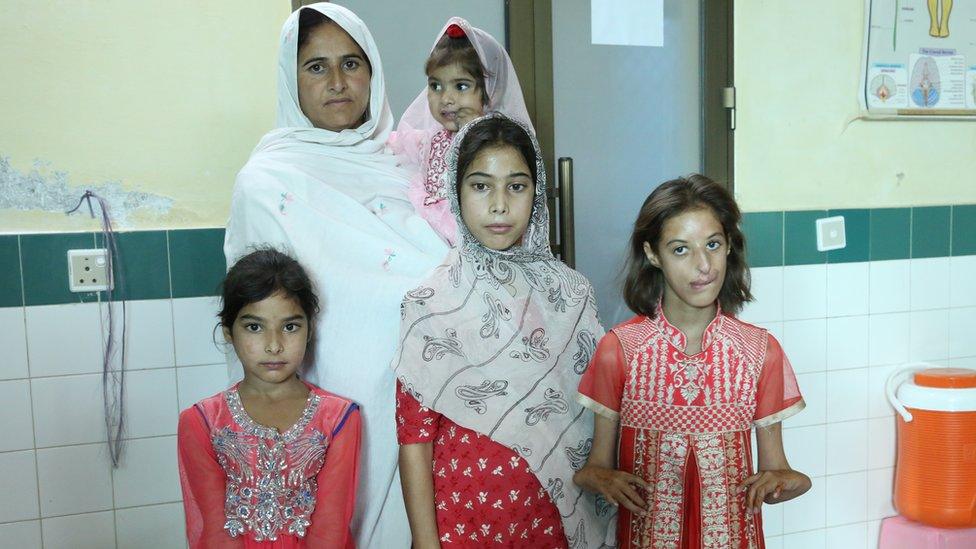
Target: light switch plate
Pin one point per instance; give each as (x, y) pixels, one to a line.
(88, 270)
(831, 234)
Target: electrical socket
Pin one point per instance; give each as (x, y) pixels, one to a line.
(88, 270)
(831, 233)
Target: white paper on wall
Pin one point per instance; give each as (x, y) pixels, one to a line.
(627, 22)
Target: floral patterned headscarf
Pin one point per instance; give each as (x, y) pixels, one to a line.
(497, 342)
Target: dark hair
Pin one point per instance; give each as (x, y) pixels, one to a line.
(310, 19)
(450, 51)
(260, 274)
(644, 283)
(494, 131)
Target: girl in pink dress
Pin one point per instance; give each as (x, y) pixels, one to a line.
(273, 461)
(678, 389)
(468, 74)
(492, 347)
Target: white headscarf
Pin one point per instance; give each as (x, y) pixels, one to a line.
(497, 342)
(336, 202)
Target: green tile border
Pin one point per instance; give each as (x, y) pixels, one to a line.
(964, 230)
(800, 238)
(11, 287)
(764, 240)
(891, 234)
(930, 231)
(144, 264)
(857, 229)
(45, 267)
(190, 262)
(196, 259)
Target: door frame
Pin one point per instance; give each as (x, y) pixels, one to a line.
(528, 38)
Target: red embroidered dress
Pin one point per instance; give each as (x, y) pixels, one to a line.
(485, 494)
(686, 422)
(247, 485)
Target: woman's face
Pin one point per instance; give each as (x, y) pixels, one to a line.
(496, 197)
(333, 79)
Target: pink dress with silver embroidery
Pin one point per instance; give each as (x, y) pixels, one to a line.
(686, 424)
(426, 191)
(485, 494)
(247, 485)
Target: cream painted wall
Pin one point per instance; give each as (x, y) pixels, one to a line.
(797, 143)
(165, 97)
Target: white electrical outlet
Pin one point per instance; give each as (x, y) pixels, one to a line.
(88, 270)
(831, 234)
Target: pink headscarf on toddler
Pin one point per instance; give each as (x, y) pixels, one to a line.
(417, 133)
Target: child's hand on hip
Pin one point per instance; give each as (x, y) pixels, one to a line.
(768, 486)
(618, 487)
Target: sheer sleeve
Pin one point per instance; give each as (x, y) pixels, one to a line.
(777, 393)
(415, 423)
(602, 385)
(203, 482)
(337, 481)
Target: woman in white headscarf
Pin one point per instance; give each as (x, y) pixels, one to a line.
(323, 187)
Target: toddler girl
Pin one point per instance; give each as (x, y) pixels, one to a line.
(468, 74)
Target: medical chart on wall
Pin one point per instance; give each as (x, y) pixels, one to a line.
(920, 58)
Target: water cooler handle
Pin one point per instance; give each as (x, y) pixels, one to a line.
(894, 380)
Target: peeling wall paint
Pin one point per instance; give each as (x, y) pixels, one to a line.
(166, 99)
(43, 190)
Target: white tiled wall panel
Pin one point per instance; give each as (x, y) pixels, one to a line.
(162, 526)
(845, 328)
(194, 320)
(64, 339)
(87, 531)
(13, 340)
(16, 421)
(74, 479)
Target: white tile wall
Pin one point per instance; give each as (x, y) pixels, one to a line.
(74, 479)
(148, 332)
(843, 352)
(68, 410)
(845, 329)
(928, 283)
(16, 422)
(962, 291)
(18, 486)
(13, 340)
(162, 524)
(22, 535)
(804, 292)
(57, 484)
(194, 320)
(148, 473)
(888, 286)
(847, 289)
(64, 339)
(87, 531)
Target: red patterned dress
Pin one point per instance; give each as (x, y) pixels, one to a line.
(686, 423)
(485, 494)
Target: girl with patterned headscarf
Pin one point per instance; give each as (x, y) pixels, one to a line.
(492, 347)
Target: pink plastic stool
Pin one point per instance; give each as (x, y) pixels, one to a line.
(900, 533)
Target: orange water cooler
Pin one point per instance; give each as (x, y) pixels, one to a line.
(935, 472)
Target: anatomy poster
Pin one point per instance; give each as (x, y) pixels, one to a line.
(920, 57)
